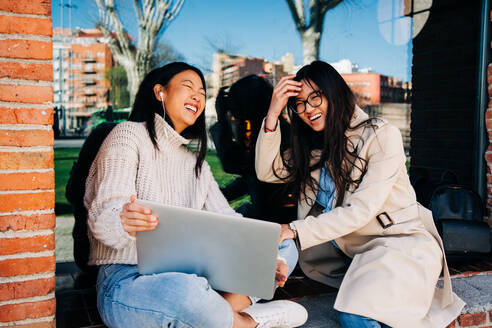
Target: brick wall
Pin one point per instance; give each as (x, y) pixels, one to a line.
(27, 219)
(473, 320)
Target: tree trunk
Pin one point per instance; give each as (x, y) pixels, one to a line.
(134, 80)
(135, 68)
(310, 45)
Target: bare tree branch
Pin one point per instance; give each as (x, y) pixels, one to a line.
(327, 5)
(311, 31)
(138, 10)
(111, 22)
(297, 11)
(153, 16)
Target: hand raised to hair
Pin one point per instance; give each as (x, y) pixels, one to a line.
(284, 89)
(136, 217)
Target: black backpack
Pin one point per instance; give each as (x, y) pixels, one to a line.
(74, 192)
(458, 213)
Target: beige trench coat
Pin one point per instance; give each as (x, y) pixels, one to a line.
(394, 271)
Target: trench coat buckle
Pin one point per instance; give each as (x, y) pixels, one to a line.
(384, 220)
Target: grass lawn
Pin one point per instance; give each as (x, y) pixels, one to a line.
(65, 157)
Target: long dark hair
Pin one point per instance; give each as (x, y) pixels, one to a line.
(338, 153)
(146, 106)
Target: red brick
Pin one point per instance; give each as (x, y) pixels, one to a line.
(489, 69)
(26, 49)
(31, 310)
(490, 103)
(30, 288)
(488, 124)
(9, 246)
(25, 25)
(31, 181)
(490, 312)
(31, 265)
(27, 202)
(488, 157)
(452, 325)
(26, 160)
(27, 222)
(472, 319)
(44, 324)
(26, 115)
(488, 113)
(37, 7)
(26, 138)
(34, 94)
(26, 71)
(489, 179)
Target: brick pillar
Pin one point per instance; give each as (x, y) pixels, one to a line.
(488, 153)
(27, 219)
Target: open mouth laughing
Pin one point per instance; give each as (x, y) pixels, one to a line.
(191, 108)
(315, 117)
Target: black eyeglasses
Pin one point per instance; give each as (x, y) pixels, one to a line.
(314, 99)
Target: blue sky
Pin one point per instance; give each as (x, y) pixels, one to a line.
(266, 29)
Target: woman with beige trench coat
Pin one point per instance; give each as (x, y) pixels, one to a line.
(371, 217)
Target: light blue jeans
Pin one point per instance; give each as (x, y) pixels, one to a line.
(127, 299)
(349, 320)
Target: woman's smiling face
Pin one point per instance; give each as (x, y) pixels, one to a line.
(313, 116)
(184, 99)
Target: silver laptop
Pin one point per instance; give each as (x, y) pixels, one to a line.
(235, 254)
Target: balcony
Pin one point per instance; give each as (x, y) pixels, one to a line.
(89, 80)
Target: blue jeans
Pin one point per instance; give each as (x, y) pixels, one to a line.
(349, 320)
(172, 299)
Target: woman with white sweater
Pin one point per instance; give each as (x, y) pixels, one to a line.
(147, 158)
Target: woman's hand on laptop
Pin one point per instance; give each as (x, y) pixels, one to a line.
(281, 272)
(135, 217)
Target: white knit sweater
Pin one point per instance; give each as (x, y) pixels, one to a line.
(127, 164)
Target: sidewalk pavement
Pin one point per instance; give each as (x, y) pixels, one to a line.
(68, 143)
(476, 291)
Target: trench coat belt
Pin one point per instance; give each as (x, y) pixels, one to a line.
(387, 219)
(411, 212)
